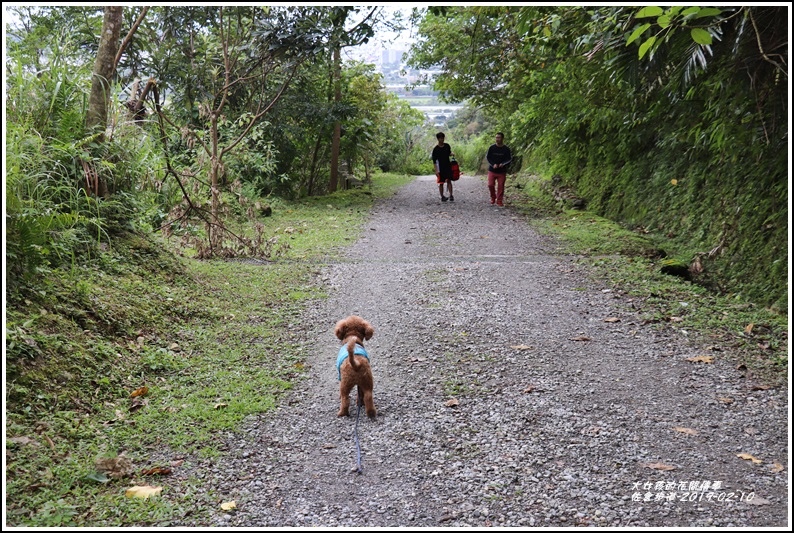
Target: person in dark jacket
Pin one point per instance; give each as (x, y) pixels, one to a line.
(499, 157)
(440, 156)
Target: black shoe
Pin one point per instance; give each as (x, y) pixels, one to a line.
(451, 198)
(443, 198)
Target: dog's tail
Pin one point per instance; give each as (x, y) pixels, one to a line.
(351, 349)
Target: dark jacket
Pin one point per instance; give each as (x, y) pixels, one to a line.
(496, 155)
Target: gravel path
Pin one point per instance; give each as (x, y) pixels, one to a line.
(560, 418)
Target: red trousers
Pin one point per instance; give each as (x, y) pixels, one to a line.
(496, 185)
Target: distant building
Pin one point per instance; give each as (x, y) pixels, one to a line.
(389, 57)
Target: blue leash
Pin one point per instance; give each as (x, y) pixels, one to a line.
(355, 433)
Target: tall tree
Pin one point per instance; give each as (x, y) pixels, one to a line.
(104, 69)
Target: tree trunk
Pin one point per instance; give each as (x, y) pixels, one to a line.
(214, 233)
(104, 68)
(313, 170)
(337, 135)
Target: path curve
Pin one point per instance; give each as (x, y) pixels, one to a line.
(470, 304)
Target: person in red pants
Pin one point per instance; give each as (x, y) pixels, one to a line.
(499, 157)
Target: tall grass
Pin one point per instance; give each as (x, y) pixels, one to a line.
(51, 217)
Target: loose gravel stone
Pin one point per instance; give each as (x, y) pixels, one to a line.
(561, 419)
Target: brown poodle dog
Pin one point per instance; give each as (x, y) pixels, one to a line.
(352, 363)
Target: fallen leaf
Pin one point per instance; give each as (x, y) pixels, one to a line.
(676, 319)
(328, 446)
(137, 403)
(659, 466)
(748, 457)
(178, 462)
(697, 266)
(760, 387)
(749, 328)
(22, 441)
(701, 359)
(452, 403)
(530, 388)
(99, 477)
(751, 431)
(688, 431)
(581, 338)
(219, 405)
(156, 471)
(228, 506)
(725, 399)
(143, 491)
(612, 319)
(174, 347)
(777, 467)
(116, 467)
(521, 347)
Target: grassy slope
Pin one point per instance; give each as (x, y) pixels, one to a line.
(210, 340)
(752, 335)
(203, 337)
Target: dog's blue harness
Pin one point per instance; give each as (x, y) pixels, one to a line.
(359, 350)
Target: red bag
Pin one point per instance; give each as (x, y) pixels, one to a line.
(455, 169)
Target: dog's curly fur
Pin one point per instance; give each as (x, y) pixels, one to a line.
(355, 369)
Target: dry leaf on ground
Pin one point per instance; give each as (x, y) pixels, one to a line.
(140, 391)
(219, 405)
(156, 471)
(725, 399)
(688, 431)
(748, 457)
(777, 467)
(701, 359)
(228, 506)
(521, 347)
(581, 338)
(452, 403)
(749, 328)
(659, 466)
(612, 319)
(22, 441)
(115, 467)
(143, 491)
(137, 403)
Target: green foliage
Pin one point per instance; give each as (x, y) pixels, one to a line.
(689, 140)
(211, 340)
